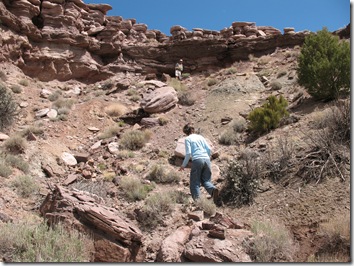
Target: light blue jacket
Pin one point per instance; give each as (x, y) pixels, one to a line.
(197, 148)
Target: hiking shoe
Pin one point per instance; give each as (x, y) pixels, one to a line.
(215, 195)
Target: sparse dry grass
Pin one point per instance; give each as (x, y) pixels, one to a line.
(15, 144)
(272, 242)
(25, 185)
(156, 207)
(25, 242)
(17, 162)
(36, 130)
(336, 232)
(328, 152)
(207, 205)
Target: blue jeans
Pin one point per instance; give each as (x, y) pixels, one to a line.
(200, 175)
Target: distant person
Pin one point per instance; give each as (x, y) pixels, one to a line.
(199, 150)
(179, 69)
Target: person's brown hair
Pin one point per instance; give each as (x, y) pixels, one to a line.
(188, 129)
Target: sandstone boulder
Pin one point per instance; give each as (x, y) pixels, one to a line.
(115, 238)
(159, 100)
(172, 247)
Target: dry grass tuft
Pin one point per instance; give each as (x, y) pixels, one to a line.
(25, 185)
(336, 233)
(272, 242)
(116, 110)
(25, 242)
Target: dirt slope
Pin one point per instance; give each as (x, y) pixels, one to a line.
(235, 92)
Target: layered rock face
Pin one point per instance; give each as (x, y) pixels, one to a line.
(68, 39)
(115, 239)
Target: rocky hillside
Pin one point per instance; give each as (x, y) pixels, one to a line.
(84, 81)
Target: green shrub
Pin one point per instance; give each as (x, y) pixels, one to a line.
(23, 82)
(211, 82)
(135, 139)
(16, 89)
(239, 124)
(186, 98)
(54, 96)
(135, 98)
(107, 85)
(24, 242)
(324, 66)
(276, 85)
(134, 189)
(3, 76)
(281, 73)
(5, 170)
(25, 185)
(265, 118)
(8, 107)
(63, 103)
(15, 144)
(160, 174)
(110, 132)
(206, 205)
(229, 137)
(156, 207)
(186, 75)
(17, 162)
(163, 120)
(125, 154)
(177, 85)
(36, 130)
(230, 71)
(179, 196)
(242, 178)
(279, 159)
(272, 242)
(264, 60)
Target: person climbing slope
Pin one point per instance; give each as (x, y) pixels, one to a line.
(199, 150)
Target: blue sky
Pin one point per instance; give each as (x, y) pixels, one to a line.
(161, 15)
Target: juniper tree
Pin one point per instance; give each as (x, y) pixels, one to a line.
(324, 66)
(8, 107)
